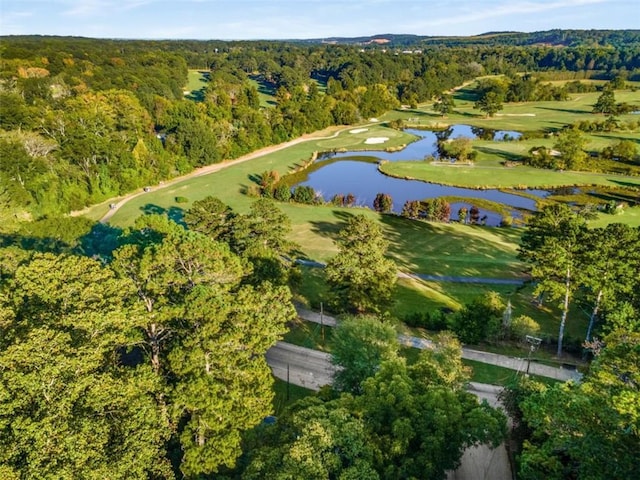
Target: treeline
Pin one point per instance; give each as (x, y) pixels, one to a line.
(84, 120)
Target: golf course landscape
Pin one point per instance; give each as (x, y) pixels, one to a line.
(438, 249)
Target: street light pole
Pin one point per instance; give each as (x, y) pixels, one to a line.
(534, 343)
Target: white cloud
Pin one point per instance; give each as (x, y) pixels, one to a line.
(506, 9)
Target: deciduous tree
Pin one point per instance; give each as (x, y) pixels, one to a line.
(552, 244)
(359, 345)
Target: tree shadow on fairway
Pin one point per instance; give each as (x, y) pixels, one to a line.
(566, 110)
(152, 209)
(508, 156)
(466, 94)
(631, 198)
(624, 183)
(331, 229)
(469, 114)
(617, 137)
(437, 249)
(177, 215)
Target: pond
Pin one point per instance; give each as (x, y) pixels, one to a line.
(427, 145)
(357, 173)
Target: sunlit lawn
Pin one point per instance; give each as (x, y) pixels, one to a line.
(430, 248)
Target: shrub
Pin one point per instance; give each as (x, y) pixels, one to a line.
(282, 193)
(304, 194)
(479, 320)
(338, 200)
(383, 203)
(522, 326)
(253, 190)
(435, 321)
(182, 200)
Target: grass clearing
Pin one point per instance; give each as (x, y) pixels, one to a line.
(266, 90)
(196, 84)
(491, 176)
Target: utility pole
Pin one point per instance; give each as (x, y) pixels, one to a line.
(287, 382)
(322, 322)
(534, 343)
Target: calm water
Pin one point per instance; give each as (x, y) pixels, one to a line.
(357, 173)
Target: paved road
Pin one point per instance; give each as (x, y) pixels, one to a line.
(301, 366)
(514, 363)
(313, 369)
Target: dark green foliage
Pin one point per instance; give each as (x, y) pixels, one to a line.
(434, 320)
(479, 320)
(606, 102)
(623, 150)
(282, 193)
(573, 430)
(304, 194)
(211, 217)
(383, 203)
(408, 422)
(358, 346)
(360, 278)
(552, 245)
(444, 104)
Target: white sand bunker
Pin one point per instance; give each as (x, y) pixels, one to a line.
(515, 114)
(358, 130)
(374, 140)
(373, 119)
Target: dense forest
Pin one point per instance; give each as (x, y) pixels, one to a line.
(83, 120)
(140, 353)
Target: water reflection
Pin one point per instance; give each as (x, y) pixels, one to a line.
(357, 173)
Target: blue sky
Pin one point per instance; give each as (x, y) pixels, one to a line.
(280, 19)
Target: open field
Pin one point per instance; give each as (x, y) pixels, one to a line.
(196, 83)
(486, 176)
(266, 91)
(523, 117)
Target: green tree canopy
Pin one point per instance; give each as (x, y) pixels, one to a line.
(361, 279)
(589, 430)
(358, 345)
(551, 244)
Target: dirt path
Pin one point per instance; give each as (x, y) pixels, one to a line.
(217, 167)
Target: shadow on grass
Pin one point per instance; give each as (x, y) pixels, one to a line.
(624, 183)
(466, 94)
(616, 196)
(331, 229)
(451, 251)
(566, 110)
(508, 156)
(174, 213)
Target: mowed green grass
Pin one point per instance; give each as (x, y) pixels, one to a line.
(196, 83)
(521, 117)
(488, 176)
(265, 91)
(437, 249)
